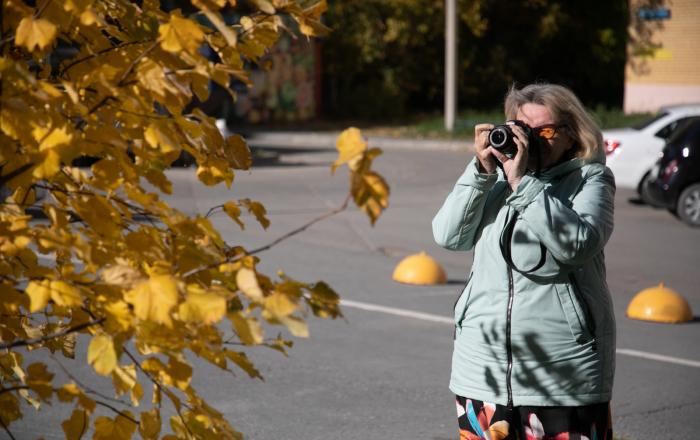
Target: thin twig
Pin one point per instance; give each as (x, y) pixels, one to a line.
(161, 388)
(83, 386)
(96, 54)
(303, 228)
(7, 430)
(274, 242)
(15, 388)
(23, 342)
(126, 416)
(133, 64)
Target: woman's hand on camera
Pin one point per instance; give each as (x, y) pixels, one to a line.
(514, 167)
(483, 150)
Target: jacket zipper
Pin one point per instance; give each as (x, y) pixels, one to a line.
(509, 349)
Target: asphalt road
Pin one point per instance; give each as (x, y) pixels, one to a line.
(378, 375)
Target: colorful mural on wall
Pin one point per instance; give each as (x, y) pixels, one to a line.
(287, 91)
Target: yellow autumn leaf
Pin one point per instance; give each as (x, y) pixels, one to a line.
(119, 317)
(225, 31)
(75, 427)
(296, 326)
(49, 163)
(70, 391)
(101, 354)
(154, 299)
(350, 145)
(177, 373)
(121, 275)
(39, 294)
(152, 76)
(32, 33)
(68, 345)
(180, 34)
(149, 424)
(157, 136)
(371, 193)
(264, 5)
(233, 211)
(258, 210)
(124, 378)
(280, 305)
(64, 294)
(105, 174)
(247, 328)
(39, 380)
(247, 283)
(55, 138)
(237, 152)
(242, 361)
(9, 408)
(118, 428)
(214, 172)
(202, 306)
(99, 214)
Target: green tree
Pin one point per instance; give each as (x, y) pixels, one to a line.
(112, 80)
(391, 59)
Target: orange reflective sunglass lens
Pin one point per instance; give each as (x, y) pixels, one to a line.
(546, 132)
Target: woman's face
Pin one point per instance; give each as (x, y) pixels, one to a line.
(553, 149)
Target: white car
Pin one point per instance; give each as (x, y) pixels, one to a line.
(632, 152)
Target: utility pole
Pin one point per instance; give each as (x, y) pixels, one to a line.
(450, 63)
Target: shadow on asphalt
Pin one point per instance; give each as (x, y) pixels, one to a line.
(456, 282)
(271, 156)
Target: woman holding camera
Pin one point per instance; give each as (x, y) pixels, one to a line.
(534, 349)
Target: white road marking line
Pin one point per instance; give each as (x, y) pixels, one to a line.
(442, 319)
(659, 357)
(397, 312)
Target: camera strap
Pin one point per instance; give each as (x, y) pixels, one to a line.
(506, 247)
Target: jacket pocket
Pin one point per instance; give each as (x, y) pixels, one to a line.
(583, 304)
(460, 309)
(574, 313)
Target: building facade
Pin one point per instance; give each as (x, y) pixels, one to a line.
(663, 65)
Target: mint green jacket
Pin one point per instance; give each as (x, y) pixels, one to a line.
(542, 337)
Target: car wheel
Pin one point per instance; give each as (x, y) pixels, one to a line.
(689, 205)
(643, 190)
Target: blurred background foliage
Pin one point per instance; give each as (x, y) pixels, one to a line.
(388, 61)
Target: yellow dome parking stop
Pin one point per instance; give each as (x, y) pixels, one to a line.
(419, 269)
(659, 304)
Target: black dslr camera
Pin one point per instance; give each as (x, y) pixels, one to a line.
(501, 137)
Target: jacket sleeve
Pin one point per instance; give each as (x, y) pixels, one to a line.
(456, 223)
(575, 233)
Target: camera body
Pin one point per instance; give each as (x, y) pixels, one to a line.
(501, 137)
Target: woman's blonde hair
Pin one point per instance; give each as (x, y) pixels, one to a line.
(566, 109)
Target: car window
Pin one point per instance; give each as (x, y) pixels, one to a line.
(666, 132)
(647, 122)
(688, 134)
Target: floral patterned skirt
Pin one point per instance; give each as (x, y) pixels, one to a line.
(482, 420)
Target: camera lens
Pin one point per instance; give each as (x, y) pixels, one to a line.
(498, 137)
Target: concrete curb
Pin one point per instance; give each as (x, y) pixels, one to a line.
(326, 140)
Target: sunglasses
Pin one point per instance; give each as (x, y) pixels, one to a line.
(547, 131)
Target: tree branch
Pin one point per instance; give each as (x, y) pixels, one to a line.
(7, 430)
(274, 242)
(96, 54)
(160, 387)
(15, 388)
(303, 228)
(23, 342)
(14, 173)
(133, 64)
(83, 386)
(121, 414)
